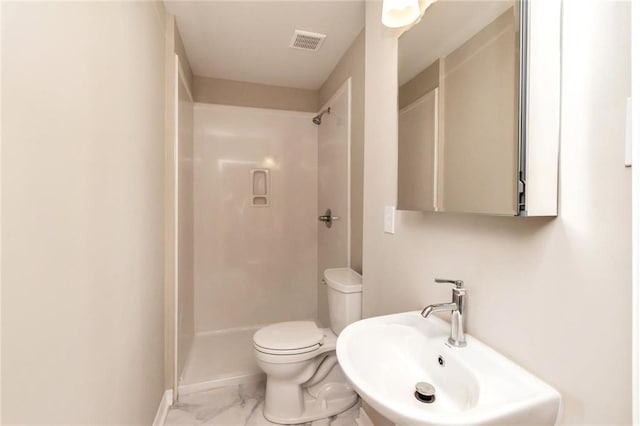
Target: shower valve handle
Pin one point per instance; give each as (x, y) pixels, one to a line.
(328, 218)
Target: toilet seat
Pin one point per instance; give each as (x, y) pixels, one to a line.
(288, 338)
(326, 344)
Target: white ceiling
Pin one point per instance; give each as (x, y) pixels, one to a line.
(446, 25)
(249, 40)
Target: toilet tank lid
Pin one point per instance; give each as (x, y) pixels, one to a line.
(344, 280)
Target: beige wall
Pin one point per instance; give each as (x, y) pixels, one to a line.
(182, 55)
(240, 93)
(352, 65)
(174, 239)
(478, 148)
(1, 273)
(170, 235)
(426, 80)
(417, 138)
(82, 173)
(186, 313)
(551, 294)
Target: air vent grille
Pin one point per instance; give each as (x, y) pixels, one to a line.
(306, 40)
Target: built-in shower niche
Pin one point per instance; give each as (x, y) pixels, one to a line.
(260, 187)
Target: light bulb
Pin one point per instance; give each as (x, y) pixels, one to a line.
(399, 13)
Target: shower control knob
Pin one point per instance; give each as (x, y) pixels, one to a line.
(328, 218)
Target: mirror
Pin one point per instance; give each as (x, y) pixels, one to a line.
(459, 109)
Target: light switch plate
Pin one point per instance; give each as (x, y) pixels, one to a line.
(390, 219)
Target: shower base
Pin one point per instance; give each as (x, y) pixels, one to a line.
(220, 358)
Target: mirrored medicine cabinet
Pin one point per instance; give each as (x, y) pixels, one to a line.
(478, 108)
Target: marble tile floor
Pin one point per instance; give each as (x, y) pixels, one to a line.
(235, 406)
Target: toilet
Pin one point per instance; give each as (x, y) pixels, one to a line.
(304, 380)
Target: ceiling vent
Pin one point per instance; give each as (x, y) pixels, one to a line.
(305, 40)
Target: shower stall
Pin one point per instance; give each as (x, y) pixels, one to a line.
(258, 179)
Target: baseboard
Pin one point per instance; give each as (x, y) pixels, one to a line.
(163, 408)
(363, 419)
(237, 379)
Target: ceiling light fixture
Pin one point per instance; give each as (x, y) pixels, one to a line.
(399, 13)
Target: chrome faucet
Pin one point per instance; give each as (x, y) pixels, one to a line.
(457, 308)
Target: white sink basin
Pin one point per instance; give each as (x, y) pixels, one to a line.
(384, 357)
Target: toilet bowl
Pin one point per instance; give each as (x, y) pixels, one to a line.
(304, 379)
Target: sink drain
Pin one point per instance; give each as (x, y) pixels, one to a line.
(425, 392)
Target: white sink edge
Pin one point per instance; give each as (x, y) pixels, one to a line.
(548, 395)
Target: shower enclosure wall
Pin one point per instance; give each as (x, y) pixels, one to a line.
(255, 234)
(251, 251)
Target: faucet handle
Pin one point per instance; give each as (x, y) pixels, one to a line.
(457, 283)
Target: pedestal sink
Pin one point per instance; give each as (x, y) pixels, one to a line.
(385, 357)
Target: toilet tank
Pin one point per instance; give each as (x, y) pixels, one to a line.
(344, 287)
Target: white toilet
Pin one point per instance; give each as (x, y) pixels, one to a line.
(304, 379)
